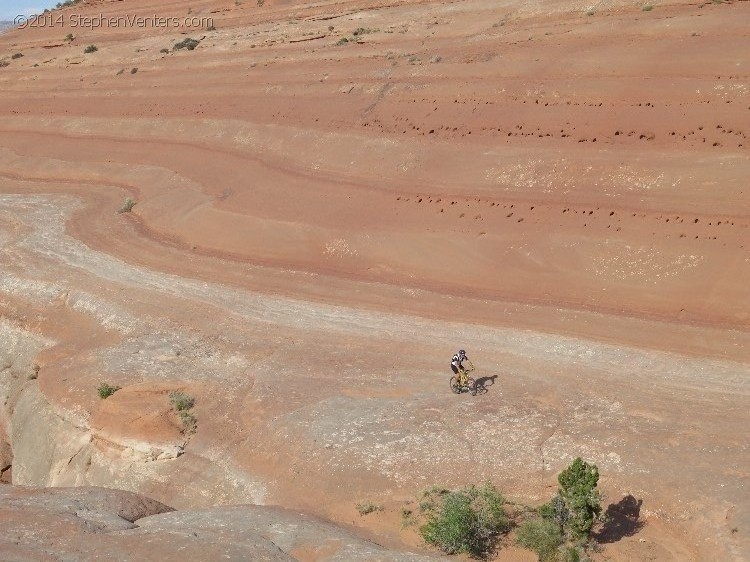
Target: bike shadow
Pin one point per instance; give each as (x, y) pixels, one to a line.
(483, 382)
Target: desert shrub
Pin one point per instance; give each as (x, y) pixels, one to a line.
(128, 204)
(187, 43)
(181, 401)
(106, 390)
(189, 422)
(581, 497)
(542, 536)
(90, 49)
(365, 508)
(647, 8)
(407, 518)
(555, 510)
(467, 520)
(133, 70)
(69, 37)
(342, 41)
(569, 554)
(164, 50)
(4, 63)
(16, 56)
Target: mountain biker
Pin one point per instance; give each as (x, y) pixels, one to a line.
(457, 365)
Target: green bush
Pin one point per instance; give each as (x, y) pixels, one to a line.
(467, 520)
(106, 390)
(187, 43)
(647, 8)
(181, 401)
(128, 204)
(555, 511)
(90, 49)
(581, 497)
(365, 508)
(569, 554)
(189, 422)
(542, 536)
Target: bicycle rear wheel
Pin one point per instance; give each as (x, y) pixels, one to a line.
(472, 385)
(454, 385)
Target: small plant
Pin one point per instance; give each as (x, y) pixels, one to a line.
(187, 43)
(69, 37)
(90, 49)
(128, 204)
(342, 41)
(363, 31)
(4, 63)
(133, 71)
(181, 401)
(189, 422)
(647, 8)
(16, 56)
(164, 51)
(467, 520)
(182, 404)
(34, 372)
(407, 518)
(365, 508)
(330, 28)
(260, 3)
(542, 536)
(106, 390)
(590, 12)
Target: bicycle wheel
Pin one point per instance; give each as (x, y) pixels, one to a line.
(472, 385)
(454, 385)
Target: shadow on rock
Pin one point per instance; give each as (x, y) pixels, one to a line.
(622, 520)
(481, 383)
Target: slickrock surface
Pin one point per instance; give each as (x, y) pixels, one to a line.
(560, 188)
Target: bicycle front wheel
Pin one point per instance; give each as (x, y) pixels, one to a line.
(454, 385)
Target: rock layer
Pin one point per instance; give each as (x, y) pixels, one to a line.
(320, 223)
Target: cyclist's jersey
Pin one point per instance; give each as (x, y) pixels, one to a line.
(456, 361)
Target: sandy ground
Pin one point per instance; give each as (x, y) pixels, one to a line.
(558, 187)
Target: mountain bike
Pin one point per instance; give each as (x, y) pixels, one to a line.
(467, 384)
